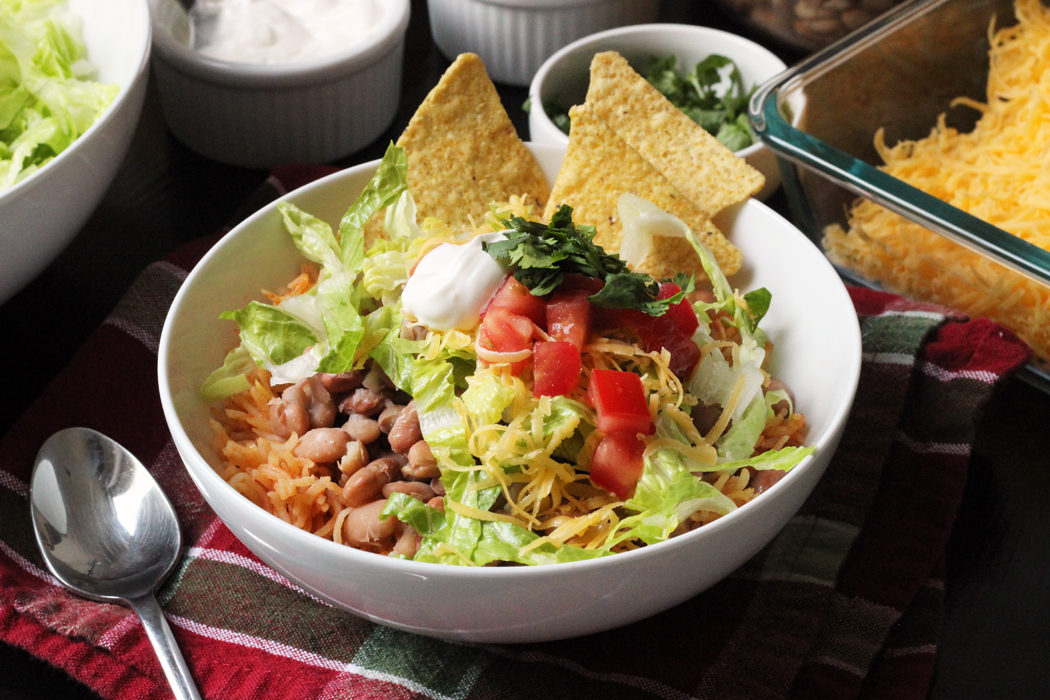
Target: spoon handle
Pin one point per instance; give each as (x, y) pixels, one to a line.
(148, 610)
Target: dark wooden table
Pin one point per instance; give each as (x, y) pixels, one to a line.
(996, 640)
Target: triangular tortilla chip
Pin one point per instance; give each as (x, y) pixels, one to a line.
(692, 159)
(463, 151)
(599, 166)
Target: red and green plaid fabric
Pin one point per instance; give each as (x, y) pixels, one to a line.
(846, 602)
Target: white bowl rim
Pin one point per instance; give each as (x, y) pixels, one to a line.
(633, 29)
(536, 4)
(143, 52)
(385, 38)
(204, 470)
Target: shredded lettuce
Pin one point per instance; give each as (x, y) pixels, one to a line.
(272, 335)
(47, 97)
(231, 378)
(384, 189)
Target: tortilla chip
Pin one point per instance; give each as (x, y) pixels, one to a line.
(599, 166)
(463, 151)
(692, 159)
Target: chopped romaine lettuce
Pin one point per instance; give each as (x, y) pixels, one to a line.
(47, 97)
(231, 378)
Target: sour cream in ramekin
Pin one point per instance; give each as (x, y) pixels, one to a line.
(280, 31)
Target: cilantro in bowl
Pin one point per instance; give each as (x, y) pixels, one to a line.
(712, 99)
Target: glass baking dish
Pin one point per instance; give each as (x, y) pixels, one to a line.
(898, 73)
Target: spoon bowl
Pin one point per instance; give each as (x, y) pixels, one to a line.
(107, 532)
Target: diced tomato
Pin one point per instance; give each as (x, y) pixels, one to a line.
(684, 355)
(618, 463)
(681, 313)
(673, 330)
(516, 298)
(569, 317)
(503, 331)
(556, 368)
(575, 282)
(619, 401)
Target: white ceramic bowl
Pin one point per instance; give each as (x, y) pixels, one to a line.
(817, 337)
(256, 116)
(40, 215)
(513, 37)
(564, 76)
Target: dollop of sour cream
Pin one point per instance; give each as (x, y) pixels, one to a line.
(452, 284)
(280, 31)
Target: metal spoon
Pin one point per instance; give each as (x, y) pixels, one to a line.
(108, 533)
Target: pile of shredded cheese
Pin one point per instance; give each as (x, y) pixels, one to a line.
(999, 172)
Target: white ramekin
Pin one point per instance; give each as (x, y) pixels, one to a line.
(260, 115)
(564, 76)
(515, 37)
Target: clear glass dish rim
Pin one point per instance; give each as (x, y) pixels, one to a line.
(868, 181)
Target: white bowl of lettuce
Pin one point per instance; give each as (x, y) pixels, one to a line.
(71, 99)
(811, 322)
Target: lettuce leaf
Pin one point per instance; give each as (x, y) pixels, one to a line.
(313, 237)
(231, 378)
(390, 180)
(272, 336)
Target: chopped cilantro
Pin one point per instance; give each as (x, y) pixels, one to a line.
(542, 254)
(721, 112)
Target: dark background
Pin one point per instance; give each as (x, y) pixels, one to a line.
(996, 638)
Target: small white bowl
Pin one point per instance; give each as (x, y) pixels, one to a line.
(256, 116)
(40, 215)
(811, 321)
(564, 76)
(513, 37)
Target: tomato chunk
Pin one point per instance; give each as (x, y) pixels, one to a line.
(556, 369)
(682, 312)
(516, 298)
(618, 463)
(684, 355)
(575, 282)
(503, 331)
(569, 317)
(620, 403)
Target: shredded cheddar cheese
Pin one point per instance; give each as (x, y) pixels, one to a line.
(999, 172)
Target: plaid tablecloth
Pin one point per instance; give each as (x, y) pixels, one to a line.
(846, 602)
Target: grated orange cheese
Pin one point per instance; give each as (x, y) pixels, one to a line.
(999, 172)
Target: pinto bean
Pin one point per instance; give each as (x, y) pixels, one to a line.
(322, 406)
(362, 428)
(763, 479)
(363, 401)
(421, 462)
(408, 541)
(437, 486)
(704, 295)
(342, 382)
(406, 431)
(363, 527)
(367, 484)
(287, 418)
(389, 416)
(355, 460)
(777, 385)
(437, 502)
(705, 416)
(416, 489)
(322, 445)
